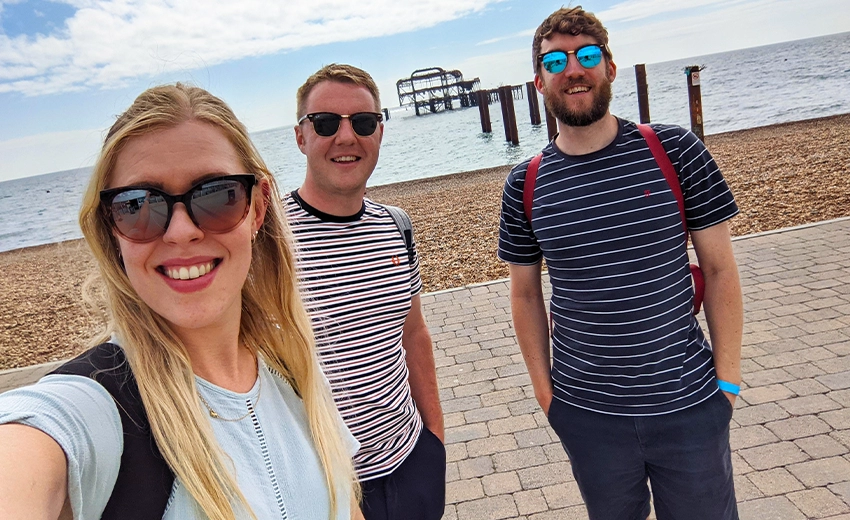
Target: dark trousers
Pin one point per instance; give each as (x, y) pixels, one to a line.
(684, 455)
(416, 490)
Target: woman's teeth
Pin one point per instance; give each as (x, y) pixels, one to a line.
(188, 272)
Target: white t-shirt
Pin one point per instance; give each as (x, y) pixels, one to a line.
(277, 467)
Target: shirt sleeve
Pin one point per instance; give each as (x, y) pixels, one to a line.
(708, 200)
(415, 277)
(517, 243)
(81, 416)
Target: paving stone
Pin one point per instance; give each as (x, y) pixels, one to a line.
(490, 508)
(818, 503)
(803, 387)
(563, 495)
(486, 414)
(539, 476)
(474, 389)
(822, 472)
(749, 436)
(759, 414)
(531, 501)
(464, 490)
(797, 427)
(475, 467)
(511, 424)
(767, 377)
(739, 465)
(568, 513)
(772, 508)
(838, 419)
(766, 394)
(555, 452)
(501, 484)
(745, 490)
(467, 432)
(840, 396)
(809, 404)
(502, 396)
(842, 490)
(456, 452)
(838, 381)
(773, 455)
(842, 436)
(452, 473)
(462, 404)
(777, 481)
(536, 437)
(803, 371)
(821, 446)
(491, 444)
(520, 458)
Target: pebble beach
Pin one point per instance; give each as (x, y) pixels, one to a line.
(781, 175)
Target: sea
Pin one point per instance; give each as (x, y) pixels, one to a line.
(791, 81)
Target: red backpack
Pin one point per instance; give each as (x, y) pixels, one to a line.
(669, 172)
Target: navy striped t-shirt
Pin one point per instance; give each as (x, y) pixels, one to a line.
(625, 341)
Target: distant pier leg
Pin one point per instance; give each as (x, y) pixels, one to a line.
(695, 100)
(386, 114)
(533, 104)
(483, 98)
(506, 99)
(551, 124)
(642, 92)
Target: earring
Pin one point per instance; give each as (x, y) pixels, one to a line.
(254, 237)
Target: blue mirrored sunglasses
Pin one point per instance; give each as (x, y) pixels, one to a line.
(588, 57)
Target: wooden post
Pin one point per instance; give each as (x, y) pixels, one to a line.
(386, 114)
(695, 100)
(506, 99)
(551, 124)
(642, 93)
(533, 105)
(484, 110)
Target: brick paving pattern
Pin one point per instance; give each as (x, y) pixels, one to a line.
(791, 428)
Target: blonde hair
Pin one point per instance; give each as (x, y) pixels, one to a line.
(340, 73)
(273, 325)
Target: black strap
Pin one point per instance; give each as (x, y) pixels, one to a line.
(405, 227)
(144, 481)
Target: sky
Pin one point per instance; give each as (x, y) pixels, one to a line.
(69, 67)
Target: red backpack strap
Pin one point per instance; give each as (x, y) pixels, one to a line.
(667, 168)
(672, 179)
(528, 187)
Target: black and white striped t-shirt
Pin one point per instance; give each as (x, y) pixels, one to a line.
(357, 282)
(625, 341)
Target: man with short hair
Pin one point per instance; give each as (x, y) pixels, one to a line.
(633, 390)
(360, 280)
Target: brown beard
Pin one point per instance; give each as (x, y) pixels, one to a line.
(601, 101)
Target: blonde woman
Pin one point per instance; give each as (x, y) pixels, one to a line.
(204, 399)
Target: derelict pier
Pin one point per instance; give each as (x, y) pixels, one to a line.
(435, 89)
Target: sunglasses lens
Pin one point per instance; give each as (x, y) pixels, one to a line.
(139, 215)
(326, 124)
(364, 124)
(555, 62)
(589, 56)
(220, 205)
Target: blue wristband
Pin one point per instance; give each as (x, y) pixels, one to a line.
(728, 387)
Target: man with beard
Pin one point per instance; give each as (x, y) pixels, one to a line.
(633, 389)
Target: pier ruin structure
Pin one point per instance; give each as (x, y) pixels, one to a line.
(436, 89)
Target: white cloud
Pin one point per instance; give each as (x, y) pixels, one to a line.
(528, 33)
(106, 43)
(632, 10)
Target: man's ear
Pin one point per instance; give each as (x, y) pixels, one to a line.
(538, 83)
(299, 138)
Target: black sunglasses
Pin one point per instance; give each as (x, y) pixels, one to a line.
(142, 214)
(326, 124)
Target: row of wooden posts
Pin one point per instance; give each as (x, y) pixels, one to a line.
(506, 100)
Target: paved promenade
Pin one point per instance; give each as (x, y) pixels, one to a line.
(790, 430)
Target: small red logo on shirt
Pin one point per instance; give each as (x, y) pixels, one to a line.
(646, 193)
(395, 260)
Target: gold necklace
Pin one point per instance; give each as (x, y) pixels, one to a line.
(215, 414)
